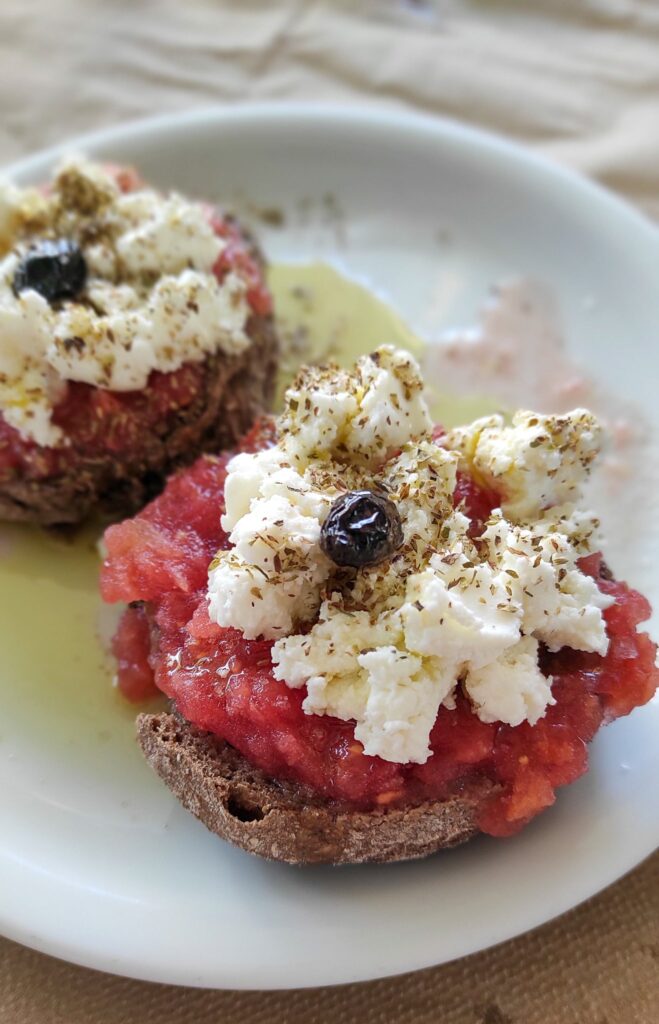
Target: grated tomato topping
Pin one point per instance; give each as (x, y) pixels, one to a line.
(223, 683)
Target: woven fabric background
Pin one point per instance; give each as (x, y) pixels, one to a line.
(599, 964)
(576, 80)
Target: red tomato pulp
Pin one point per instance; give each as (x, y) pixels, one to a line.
(223, 683)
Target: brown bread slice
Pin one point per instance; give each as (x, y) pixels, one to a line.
(279, 821)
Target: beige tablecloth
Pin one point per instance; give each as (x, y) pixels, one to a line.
(578, 80)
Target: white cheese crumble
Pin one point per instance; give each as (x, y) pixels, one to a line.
(511, 689)
(151, 301)
(536, 462)
(386, 645)
(359, 416)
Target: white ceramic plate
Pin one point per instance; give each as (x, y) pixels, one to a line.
(97, 863)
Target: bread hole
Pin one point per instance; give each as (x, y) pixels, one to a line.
(242, 811)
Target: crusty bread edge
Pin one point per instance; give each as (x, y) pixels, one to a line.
(275, 821)
(236, 389)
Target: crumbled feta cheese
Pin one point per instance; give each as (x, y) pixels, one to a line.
(247, 472)
(151, 301)
(386, 645)
(421, 480)
(21, 209)
(358, 416)
(404, 694)
(559, 604)
(10, 197)
(182, 320)
(537, 462)
(26, 381)
(164, 235)
(511, 689)
(352, 669)
(271, 578)
(268, 606)
(392, 410)
(275, 525)
(459, 610)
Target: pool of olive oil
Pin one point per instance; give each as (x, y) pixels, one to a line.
(56, 676)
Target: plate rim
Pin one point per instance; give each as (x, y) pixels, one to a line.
(356, 114)
(341, 115)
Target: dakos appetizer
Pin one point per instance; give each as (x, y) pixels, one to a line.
(135, 333)
(378, 638)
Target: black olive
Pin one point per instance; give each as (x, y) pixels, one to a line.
(362, 528)
(55, 268)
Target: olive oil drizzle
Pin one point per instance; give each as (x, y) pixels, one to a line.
(56, 676)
